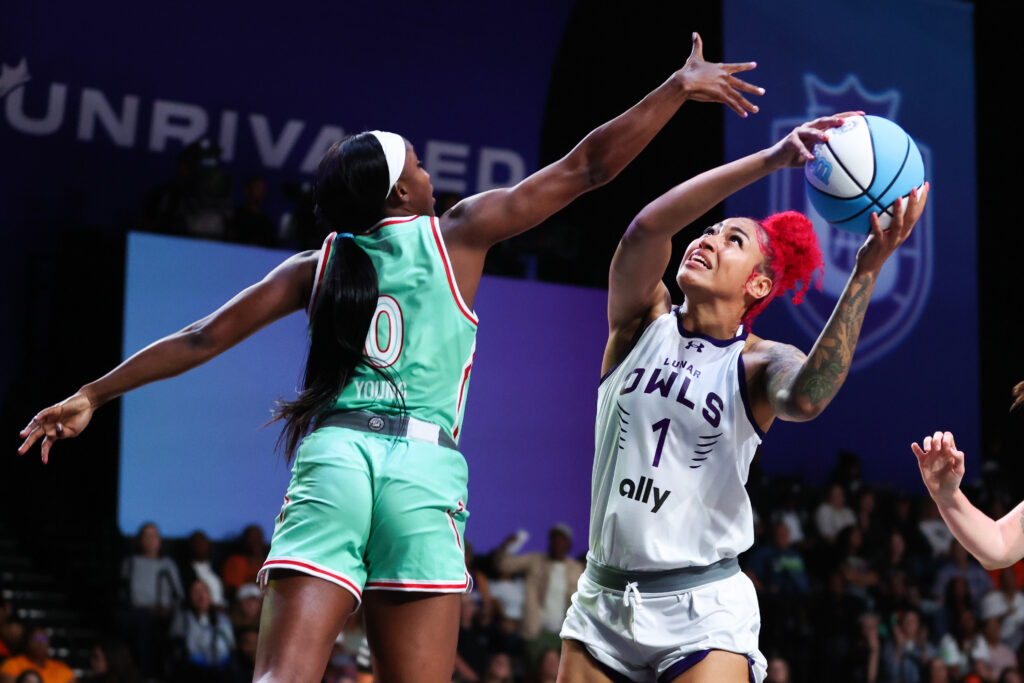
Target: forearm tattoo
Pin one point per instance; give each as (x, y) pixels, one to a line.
(813, 382)
(1022, 520)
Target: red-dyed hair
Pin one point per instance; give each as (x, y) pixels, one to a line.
(792, 255)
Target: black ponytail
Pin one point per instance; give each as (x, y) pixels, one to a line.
(350, 189)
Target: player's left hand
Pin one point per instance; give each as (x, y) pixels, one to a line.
(63, 420)
(713, 82)
(942, 465)
(881, 243)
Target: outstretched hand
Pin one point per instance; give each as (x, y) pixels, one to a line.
(714, 82)
(64, 420)
(881, 243)
(942, 465)
(797, 147)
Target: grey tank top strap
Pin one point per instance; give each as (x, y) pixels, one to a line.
(668, 581)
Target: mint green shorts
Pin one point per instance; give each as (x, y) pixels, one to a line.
(374, 512)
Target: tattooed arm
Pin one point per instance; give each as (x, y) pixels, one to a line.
(995, 544)
(798, 387)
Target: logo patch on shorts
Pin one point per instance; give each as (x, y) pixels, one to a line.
(376, 423)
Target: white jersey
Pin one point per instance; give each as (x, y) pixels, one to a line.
(674, 440)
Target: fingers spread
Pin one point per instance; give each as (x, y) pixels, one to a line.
(736, 67)
(27, 444)
(740, 84)
(698, 47)
(876, 227)
(917, 450)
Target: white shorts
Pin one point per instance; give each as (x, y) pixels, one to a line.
(646, 637)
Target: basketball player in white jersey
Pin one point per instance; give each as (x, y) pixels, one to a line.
(686, 397)
(996, 544)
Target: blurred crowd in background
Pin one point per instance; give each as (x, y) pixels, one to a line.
(856, 582)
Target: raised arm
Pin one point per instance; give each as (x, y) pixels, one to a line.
(478, 222)
(799, 387)
(635, 289)
(284, 290)
(995, 544)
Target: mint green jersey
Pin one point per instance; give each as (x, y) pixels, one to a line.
(422, 331)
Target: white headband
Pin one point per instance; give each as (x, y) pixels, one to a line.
(394, 152)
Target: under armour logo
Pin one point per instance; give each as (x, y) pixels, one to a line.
(376, 423)
(695, 345)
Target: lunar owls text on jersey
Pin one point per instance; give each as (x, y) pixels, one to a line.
(674, 440)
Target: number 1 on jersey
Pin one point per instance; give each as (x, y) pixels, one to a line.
(662, 426)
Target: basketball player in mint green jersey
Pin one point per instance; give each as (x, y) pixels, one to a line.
(377, 497)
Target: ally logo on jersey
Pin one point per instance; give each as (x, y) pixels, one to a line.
(901, 290)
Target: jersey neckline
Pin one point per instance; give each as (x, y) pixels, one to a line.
(741, 333)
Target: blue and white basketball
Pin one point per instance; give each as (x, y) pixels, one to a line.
(866, 165)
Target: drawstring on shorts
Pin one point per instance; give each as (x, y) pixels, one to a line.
(631, 589)
(631, 598)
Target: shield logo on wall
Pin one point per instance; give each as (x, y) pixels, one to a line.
(901, 291)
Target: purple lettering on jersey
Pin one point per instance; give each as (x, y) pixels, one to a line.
(637, 375)
(713, 412)
(663, 387)
(681, 398)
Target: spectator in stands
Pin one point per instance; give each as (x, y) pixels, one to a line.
(867, 657)
(29, 676)
(955, 647)
(550, 580)
(475, 642)
(847, 473)
(498, 670)
(963, 565)
(860, 577)
(836, 628)
(11, 632)
(152, 580)
(1006, 602)
(242, 567)
(832, 516)
(245, 610)
(546, 668)
(869, 523)
(481, 584)
(243, 657)
(198, 566)
(792, 516)
(1010, 676)
(903, 519)
(779, 568)
(908, 656)
(999, 657)
(111, 662)
(36, 658)
(934, 529)
(206, 634)
(937, 672)
(250, 224)
(153, 589)
(778, 670)
(896, 558)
